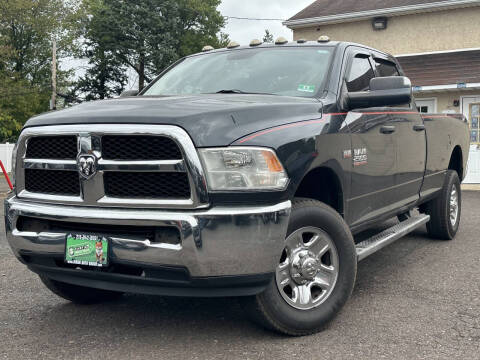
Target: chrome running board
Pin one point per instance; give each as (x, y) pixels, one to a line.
(388, 236)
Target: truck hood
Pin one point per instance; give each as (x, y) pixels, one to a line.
(210, 120)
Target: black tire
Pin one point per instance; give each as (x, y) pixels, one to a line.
(272, 311)
(79, 294)
(440, 227)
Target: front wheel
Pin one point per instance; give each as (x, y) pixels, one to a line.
(315, 275)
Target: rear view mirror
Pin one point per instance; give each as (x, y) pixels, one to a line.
(384, 91)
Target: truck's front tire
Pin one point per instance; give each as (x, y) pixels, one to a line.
(316, 272)
(446, 209)
(79, 294)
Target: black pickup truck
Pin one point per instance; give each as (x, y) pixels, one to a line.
(244, 172)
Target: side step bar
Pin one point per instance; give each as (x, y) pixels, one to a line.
(379, 241)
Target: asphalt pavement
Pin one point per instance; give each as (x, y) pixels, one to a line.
(417, 299)
(3, 185)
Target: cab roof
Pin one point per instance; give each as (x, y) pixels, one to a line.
(292, 44)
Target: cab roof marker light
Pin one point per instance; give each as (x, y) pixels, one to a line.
(301, 41)
(256, 42)
(323, 39)
(207, 48)
(232, 45)
(281, 41)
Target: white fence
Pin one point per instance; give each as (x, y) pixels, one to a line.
(473, 175)
(6, 156)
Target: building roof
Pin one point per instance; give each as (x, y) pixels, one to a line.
(331, 11)
(335, 7)
(449, 68)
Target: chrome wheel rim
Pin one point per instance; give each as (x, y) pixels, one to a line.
(454, 208)
(308, 269)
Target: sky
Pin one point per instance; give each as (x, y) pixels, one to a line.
(243, 31)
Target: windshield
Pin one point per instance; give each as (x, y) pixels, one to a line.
(280, 71)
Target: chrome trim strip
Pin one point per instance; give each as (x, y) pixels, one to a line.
(132, 166)
(140, 216)
(50, 164)
(125, 202)
(24, 194)
(92, 190)
(146, 243)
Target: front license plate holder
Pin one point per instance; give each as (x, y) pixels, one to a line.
(87, 250)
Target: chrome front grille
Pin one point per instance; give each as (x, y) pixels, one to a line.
(57, 182)
(139, 148)
(134, 166)
(147, 185)
(52, 147)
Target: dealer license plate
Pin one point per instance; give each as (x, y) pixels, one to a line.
(87, 250)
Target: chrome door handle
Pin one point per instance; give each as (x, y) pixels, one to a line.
(387, 129)
(419, 127)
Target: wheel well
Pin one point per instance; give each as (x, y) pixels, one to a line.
(456, 162)
(322, 184)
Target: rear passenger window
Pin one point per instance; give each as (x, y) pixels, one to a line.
(360, 75)
(386, 68)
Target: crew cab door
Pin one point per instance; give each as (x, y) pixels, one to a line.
(373, 149)
(410, 141)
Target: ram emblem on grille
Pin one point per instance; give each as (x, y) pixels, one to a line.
(87, 166)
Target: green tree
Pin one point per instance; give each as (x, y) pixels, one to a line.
(27, 28)
(148, 35)
(105, 76)
(268, 37)
(19, 100)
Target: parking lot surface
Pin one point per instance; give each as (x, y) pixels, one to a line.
(3, 185)
(417, 299)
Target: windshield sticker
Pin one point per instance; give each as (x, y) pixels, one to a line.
(306, 88)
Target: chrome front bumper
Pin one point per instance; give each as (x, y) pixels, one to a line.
(221, 241)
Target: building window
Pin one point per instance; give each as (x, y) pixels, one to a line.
(360, 75)
(426, 106)
(474, 123)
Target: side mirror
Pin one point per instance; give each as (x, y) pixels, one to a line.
(384, 91)
(129, 93)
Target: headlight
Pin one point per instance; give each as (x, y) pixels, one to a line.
(243, 168)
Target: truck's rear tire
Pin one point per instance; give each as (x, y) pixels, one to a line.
(446, 209)
(315, 276)
(79, 294)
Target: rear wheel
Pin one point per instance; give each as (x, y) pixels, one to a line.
(79, 294)
(315, 274)
(445, 210)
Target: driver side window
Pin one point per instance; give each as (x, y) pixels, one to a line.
(360, 74)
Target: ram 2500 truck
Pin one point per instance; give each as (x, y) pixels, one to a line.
(244, 172)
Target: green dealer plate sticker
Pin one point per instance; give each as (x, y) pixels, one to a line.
(89, 250)
(306, 88)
